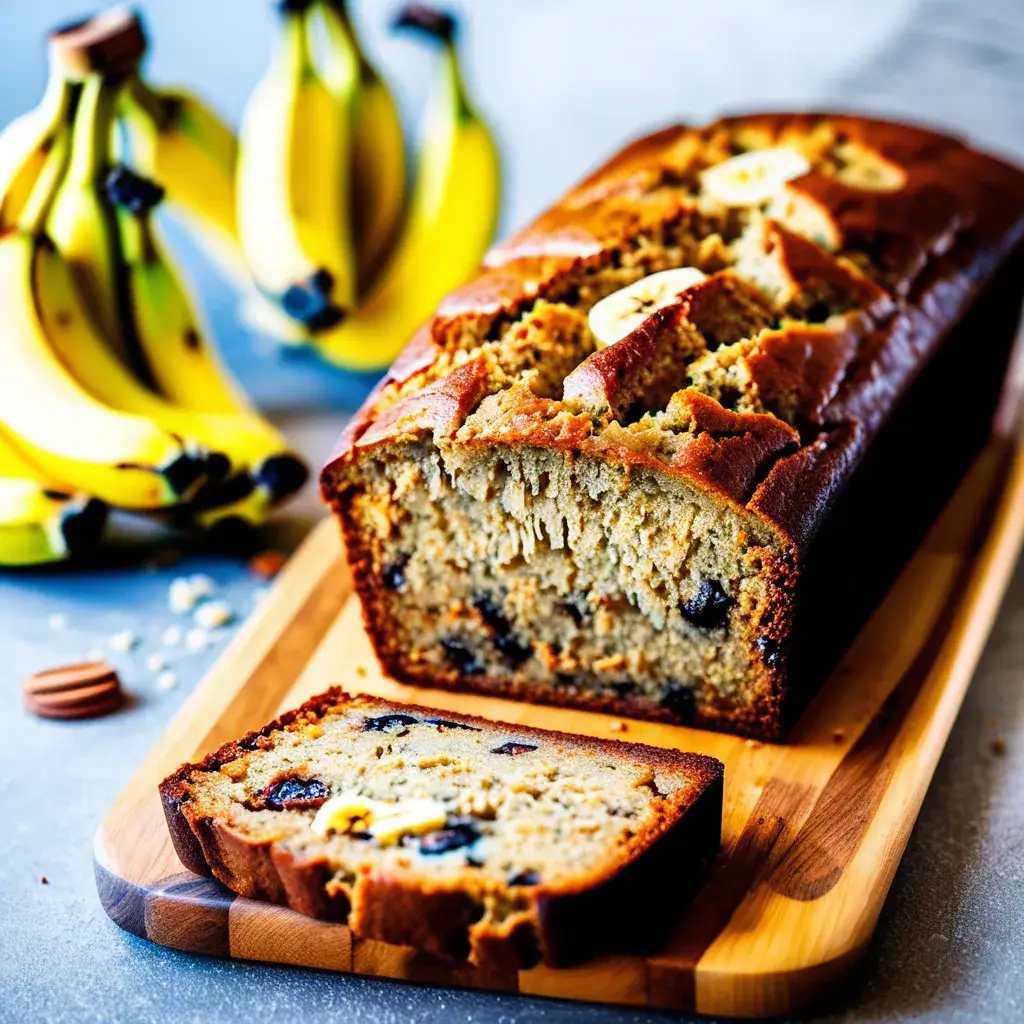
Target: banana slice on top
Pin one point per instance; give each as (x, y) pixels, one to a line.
(755, 177)
(618, 314)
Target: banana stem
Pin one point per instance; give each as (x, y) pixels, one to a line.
(452, 70)
(92, 132)
(346, 62)
(294, 41)
(137, 94)
(59, 98)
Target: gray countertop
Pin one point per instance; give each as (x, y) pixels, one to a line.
(565, 81)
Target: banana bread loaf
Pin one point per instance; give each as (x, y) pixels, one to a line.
(592, 483)
(455, 835)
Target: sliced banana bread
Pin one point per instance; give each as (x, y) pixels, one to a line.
(633, 505)
(452, 834)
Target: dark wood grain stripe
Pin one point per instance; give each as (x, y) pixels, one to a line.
(286, 659)
(849, 800)
(189, 913)
(672, 984)
(123, 901)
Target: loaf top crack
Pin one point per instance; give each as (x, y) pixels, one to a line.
(763, 383)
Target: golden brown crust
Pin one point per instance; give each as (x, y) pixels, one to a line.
(931, 245)
(941, 235)
(441, 917)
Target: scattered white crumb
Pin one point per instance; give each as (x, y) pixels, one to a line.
(58, 620)
(156, 662)
(166, 680)
(172, 636)
(96, 654)
(202, 585)
(181, 597)
(213, 614)
(123, 642)
(186, 592)
(197, 639)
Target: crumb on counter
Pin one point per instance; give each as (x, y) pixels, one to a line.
(197, 639)
(998, 746)
(180, 597)
(123, 641)
(166, 680)
(185, 592)
(172, 636)
(618, 726)
(202, 585)
(58, 620)
(213, 615)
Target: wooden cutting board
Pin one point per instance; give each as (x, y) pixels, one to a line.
(813, 829)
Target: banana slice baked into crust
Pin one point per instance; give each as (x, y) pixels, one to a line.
(454, 835)
(689, 523)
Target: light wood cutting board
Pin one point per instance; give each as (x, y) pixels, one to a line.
(813, 829)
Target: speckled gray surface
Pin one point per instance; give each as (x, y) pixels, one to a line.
(565, 81)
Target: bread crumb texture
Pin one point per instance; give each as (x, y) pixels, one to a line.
(354, 791)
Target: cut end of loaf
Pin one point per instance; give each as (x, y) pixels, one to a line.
(558, 579)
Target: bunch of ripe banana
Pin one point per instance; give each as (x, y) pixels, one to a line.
(334, 251)
(110, 394)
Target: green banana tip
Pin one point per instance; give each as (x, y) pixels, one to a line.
(429, 21)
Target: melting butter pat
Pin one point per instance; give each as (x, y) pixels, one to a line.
(385, 821)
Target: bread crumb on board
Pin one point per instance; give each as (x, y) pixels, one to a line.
(267, 564)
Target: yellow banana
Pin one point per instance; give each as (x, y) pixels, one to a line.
(81, 220)
(378, 152)
(452, 218)
(181, 363)
(76, 341)
(57, 423)
(24, 144)
(39, 521)
(293, 184)
(175, 139)
(123, 459)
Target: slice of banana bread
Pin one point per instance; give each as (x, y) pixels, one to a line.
(640, 521)
(452, 834)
